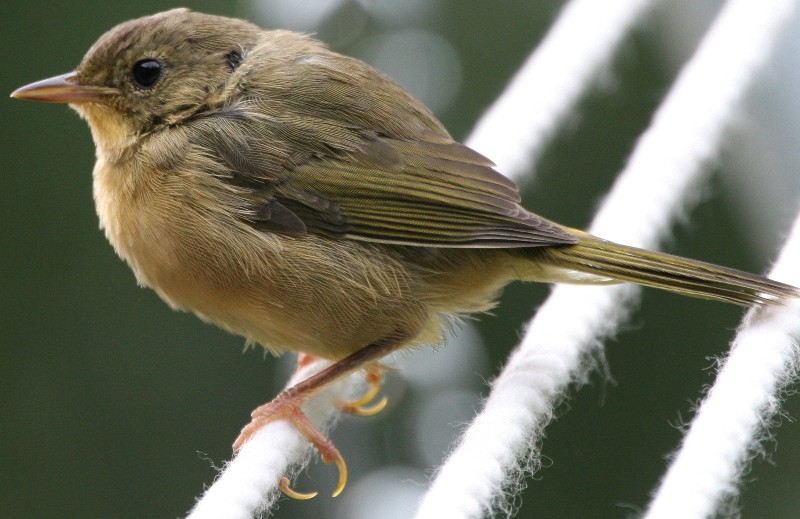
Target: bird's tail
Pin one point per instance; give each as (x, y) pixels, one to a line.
(612, 262)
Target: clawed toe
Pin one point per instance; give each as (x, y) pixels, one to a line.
(360, 407)
(288, 491)
(287, 406)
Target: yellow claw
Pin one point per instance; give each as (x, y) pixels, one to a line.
(368, 411)
(283, 485)
(342, 466)
(364, 399)
(358, 406)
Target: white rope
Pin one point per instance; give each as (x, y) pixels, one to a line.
(658, 183)
(740, 406)
(567, 64)
(579, 46)
(248, 483)
(523, 397)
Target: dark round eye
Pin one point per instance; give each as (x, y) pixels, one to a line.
(146, 72)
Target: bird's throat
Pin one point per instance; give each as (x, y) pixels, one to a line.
(114, 138)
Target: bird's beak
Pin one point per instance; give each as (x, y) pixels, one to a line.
(63, 89)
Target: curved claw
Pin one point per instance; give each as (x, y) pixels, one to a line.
(285, 406)
(288, 405)
(366, 398)
(374, 378)
(335, 457)
(288, 491)
(367, 411)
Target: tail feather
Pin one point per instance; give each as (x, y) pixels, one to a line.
(668, 272)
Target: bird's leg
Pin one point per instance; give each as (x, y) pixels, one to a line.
(288, 405)
(373, 378)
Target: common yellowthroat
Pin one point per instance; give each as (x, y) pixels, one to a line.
(305, 201)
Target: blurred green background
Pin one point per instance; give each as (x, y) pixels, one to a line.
(114, 406)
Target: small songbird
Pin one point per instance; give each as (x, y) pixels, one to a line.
(305, 201)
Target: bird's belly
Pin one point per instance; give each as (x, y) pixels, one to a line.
(307, 293)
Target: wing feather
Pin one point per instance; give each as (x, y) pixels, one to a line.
(336, 159)
(405, 193)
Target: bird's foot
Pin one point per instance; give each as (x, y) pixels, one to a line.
(287, 406)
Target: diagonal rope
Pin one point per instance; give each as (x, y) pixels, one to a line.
(502, 442)
(580, 45)
(739, 408)
(247, 484)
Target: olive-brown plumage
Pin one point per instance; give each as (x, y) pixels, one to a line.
(304, 200)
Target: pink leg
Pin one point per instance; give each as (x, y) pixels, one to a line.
(288, 404)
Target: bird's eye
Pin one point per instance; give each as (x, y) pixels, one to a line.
(146, 72)
(234, 59)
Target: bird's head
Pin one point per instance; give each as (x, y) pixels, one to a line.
(149, 72)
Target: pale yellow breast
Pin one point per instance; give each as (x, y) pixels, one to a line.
(306, 293)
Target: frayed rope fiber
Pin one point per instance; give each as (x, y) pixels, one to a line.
(482, 474)
(484, 470)
(247, 485)
(740, 406)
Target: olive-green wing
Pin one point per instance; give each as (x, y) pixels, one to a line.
(320, 143)
(425, 192)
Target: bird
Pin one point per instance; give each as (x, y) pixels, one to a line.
(307, 202)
